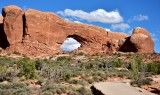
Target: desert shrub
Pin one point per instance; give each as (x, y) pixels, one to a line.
(67, 75)
(53, 89)
(73, 81)
(84, 91)
(3, 73)
(28, 69)
(89, 65)
(135, 71)
(64, 58)
(83, 82)
(38, 64)
(14, 89)
(117, 63)
(95, 78)
(90, 81)
(152, 67)
(140, 82)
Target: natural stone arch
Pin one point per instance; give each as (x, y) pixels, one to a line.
(42, 33)
(78, 38)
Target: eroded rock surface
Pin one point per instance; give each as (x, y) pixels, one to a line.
(13, 23)
(140, 41)
(38, 33)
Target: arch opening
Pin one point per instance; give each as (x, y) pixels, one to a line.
(70, 44)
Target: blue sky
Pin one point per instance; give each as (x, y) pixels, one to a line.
(116, 15)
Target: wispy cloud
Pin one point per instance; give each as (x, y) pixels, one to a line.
(154, 37)
(139, 18)
(121, 26)
(69, 45)
(99, 15)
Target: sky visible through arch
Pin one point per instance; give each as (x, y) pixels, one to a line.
(114, 15)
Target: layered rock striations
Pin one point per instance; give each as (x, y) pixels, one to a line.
(38, 33)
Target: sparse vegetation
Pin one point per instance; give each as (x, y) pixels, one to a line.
(53, 75)
(14, 89)
(140, 82)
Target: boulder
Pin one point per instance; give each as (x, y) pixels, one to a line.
(140, 41)
(13, 23)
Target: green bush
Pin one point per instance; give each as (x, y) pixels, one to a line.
(14, 89)
(3, 73)
(38, 64)
(140, 82)
(28, 69)
(90, 81)
(117, 63)
(73, 81)
(64, 58)
(84, 91)
(138, 68)
(53, 89)
(152, 67)
(67, 75)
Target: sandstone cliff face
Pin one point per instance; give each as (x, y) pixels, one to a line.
(38, 33)
(13, 23)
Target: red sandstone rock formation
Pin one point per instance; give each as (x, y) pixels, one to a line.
(1, 19)
(38, 33)
(13, 23)
(140, 41)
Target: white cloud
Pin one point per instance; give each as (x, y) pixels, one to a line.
(139, 18)
(99, 15)
(107, 29)
(77, 22)
(69, 45)
(121, 26)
